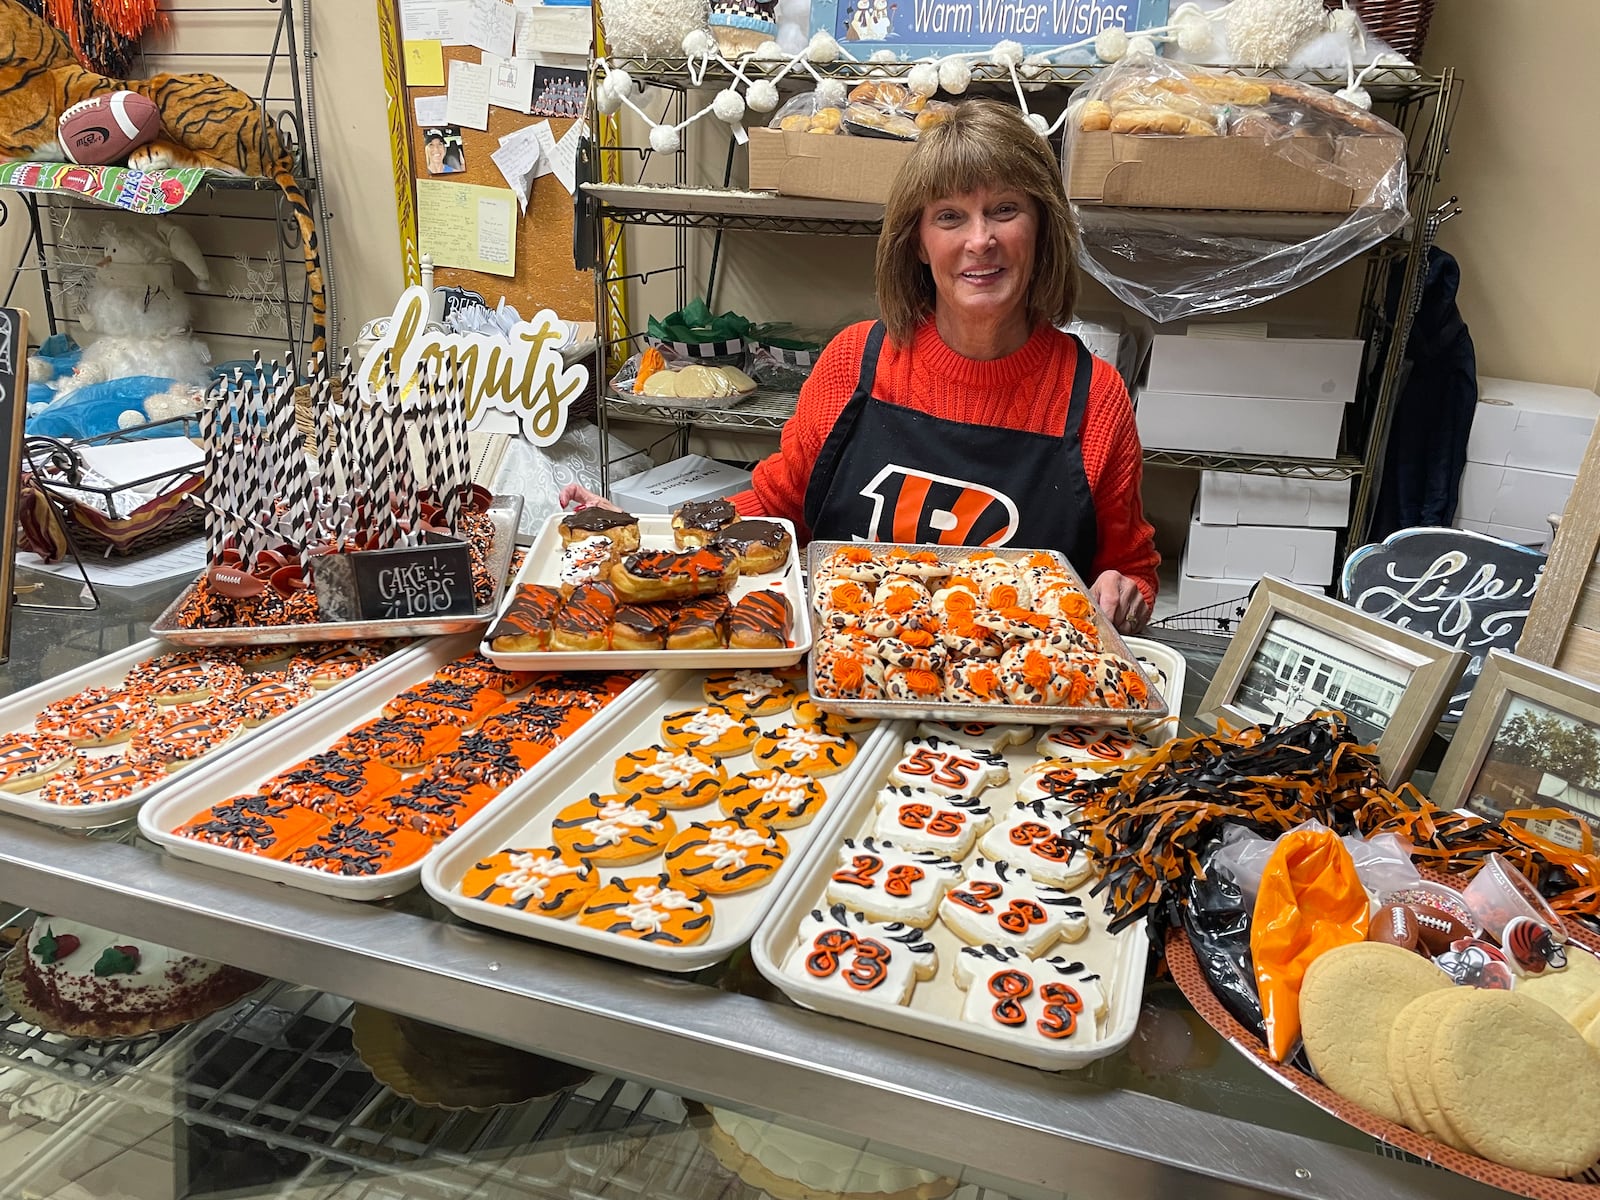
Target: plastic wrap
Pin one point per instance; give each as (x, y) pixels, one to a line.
(1217, 920)
(807, 114)
(1383, 862)
(1154, 149)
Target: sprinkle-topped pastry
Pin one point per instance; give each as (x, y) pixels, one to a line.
(101, 781)
(261, 700)
(184, 736)
(712, 730)
(532, 729)
(477, 671)
(773, 798)
(888, 883)
(543, 881)
(672, 778)
(404, 743)
(949, 769)
(1001, 904)
(139, 675)
(1045, 1001)
(761, 621)
(525, 625)
(445, 703)
(332, 784)
(323, 666)
(801, 750)
(433, 805)
(95, 716)
(725, 856)
(1039, 839)
(189, 682)
(754, 693)
(612, 830)
(847, 953)
(917, 819)
(922, 565)
(651, 909)
(1036, 674)
(480, 758)
(363, 846)
(587, 560)
(760, 546)
(696, 523)
(257, 824)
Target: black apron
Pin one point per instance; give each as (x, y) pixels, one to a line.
(891, 474)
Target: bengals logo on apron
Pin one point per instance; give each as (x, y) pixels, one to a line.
(918, 506)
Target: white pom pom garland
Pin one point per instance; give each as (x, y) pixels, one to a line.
(728, 106)
(954, 76)
(1111, 44)
(884, 56)
(769, 52)
(923, 79)
(1007, 54)
(1040, 125)
(822, 49)
(664, 139)
(1141, 46)
(698, 43)
(831, 94)
(762, 96)
(1358, 96)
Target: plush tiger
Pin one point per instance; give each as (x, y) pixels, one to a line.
(205, 122)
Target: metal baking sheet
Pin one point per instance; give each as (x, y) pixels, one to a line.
(934, 1009)
(655, 533)
(17, 714)
(505, 511)
(526, 809)
(1019, 714)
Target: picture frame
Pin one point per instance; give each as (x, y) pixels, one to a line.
(1527, 729)
(933, 28)
(1296, 652)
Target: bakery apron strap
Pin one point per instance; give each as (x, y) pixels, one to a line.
(887, 473)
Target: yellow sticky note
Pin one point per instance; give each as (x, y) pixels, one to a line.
(424, 64)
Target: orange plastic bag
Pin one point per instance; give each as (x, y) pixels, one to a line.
(1310, 901)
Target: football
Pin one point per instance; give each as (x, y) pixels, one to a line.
(106, 129)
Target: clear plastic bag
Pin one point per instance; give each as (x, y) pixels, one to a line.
(1151, 141)
(806, 114)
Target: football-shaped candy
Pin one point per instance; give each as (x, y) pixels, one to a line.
(1397, 925)
(1438, 929)
(106, 129)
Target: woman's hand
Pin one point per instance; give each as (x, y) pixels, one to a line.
(575, 495)
(1121, 600)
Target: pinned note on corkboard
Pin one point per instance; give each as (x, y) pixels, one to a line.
(540, 272)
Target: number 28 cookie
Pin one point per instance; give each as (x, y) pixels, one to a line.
(887, 883)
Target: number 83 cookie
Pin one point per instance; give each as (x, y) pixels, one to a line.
(846, 953)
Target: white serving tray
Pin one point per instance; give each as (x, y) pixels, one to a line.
(298, 738)
(17, 713)
(543, 565)
(523, 819)
(1175, 671)
(934, 1009)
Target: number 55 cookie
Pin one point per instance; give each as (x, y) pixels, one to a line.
(949, 769)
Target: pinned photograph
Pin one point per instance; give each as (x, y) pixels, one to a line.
(559, 92)
(1298, 652)
(443, 151)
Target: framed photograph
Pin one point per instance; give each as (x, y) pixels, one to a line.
(917, 28)
(1297, 652)
(1530, 739)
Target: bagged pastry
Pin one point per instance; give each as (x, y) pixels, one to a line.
(806, 114)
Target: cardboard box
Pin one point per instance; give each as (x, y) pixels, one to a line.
(1535, 426)
(828, 166)
(1537, 539)
(1234, 498)
(1282, 368)
(1239, 424)
(1195, 592)
(1242, 173)
(662, 489)
(1510, 496)
(1251, 551)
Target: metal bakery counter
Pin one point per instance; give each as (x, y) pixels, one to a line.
(1178, 1112)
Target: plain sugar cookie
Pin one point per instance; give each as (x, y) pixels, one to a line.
(1349, 1000)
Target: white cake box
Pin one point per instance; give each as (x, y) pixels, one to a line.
(682, 481)
(1282, 368)
(1535, 426)
(1250, 551)
(1238, 424)
(1510, 496)
(1237, 498)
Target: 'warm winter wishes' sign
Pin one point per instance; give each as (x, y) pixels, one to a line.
(521, 375)
(918, 27)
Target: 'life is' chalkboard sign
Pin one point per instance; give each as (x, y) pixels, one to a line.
(13, 411)
(1461, 588)
(407, 583)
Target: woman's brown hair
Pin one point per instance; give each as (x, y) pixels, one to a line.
(982, 143)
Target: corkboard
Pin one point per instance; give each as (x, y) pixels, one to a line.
(544, 276)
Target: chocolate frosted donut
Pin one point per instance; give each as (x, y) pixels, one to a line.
(622, 528)
(525, 625)
(695, 523)
(761, 546)
(760, 621)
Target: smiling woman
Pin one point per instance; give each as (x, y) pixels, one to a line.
(964, 416)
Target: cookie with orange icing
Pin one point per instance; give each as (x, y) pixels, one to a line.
(433, 805)
(772, 798)
(191, 682)
(360, 847)
(671, 777)
(261, 700)
(1034, 674)
(612, 830)
(97, 716)
(847, 671)
(808, 712)
(403, 743)
(542, 881)
(650, 908)
(101, 781)
(477, 671)
(444, 702)
(185, 735)
(899, 605)
(916, 650)
(800, 750)
(257, 823)
(753, 693)
(910, 683)
(712, 729)
(724, 857)
(531, 730)
(481, 758)
(332, 784)
(974, 682)
(842, 603)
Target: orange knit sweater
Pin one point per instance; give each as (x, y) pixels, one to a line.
(1026, 390)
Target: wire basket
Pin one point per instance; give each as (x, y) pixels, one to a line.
(1401, 23)
(1207, 630)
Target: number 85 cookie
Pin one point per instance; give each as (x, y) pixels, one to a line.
(1051, 1000)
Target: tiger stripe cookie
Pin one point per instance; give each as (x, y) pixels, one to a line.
(773, 798)
(544, 881)
(725, 856)
(612, 830)
(846, 953)
(650, 908)
(673, 778)
(884, 882)
(753, 693)
(1002, 905)
(800, 750)
(712, 730)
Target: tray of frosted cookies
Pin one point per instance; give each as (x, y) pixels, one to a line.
(702, 588)
(86, 748)
(905, 631)
(352, 797)
(953, 903)
(666, 844)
